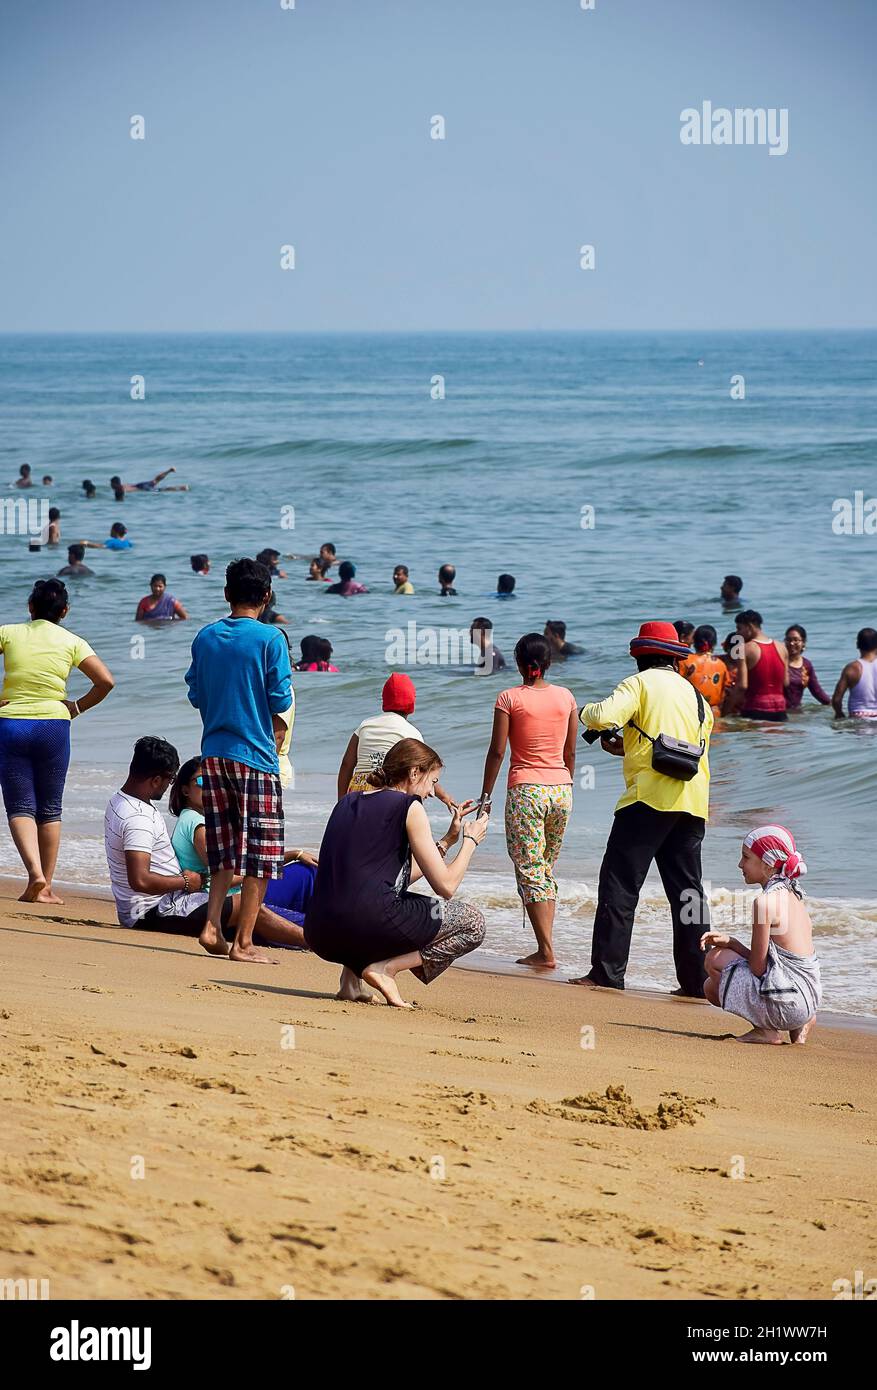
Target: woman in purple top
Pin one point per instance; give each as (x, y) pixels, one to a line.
(801, 674)
(159, 606)
(348, 583)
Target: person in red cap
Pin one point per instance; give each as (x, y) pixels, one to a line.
(376, 735)
(659, 817)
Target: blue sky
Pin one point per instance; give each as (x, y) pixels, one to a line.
(311, 127)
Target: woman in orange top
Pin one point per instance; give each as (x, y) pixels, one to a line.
(707, 673)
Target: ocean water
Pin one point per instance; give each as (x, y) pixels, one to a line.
(339, 435)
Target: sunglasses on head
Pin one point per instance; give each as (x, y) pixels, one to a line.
(199, 781)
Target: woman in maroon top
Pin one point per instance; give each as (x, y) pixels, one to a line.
(801, 673)
(762, 672)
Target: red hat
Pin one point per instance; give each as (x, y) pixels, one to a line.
(658, 639)
(398, 695)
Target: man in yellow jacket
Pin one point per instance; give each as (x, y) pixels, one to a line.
(659, 817)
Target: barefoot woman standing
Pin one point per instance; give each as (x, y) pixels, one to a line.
(35, 720)
(376, 844)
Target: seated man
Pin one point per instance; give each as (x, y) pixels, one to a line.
(151, 890)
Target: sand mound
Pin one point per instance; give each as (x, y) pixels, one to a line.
(615, 1107)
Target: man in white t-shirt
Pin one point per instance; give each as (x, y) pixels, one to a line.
(375, 736)
(150, 888)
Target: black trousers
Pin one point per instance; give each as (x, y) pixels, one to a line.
(673, 840)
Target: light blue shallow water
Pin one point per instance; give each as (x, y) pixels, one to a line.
(687, 484)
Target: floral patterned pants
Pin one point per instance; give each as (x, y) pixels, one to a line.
(535, 820)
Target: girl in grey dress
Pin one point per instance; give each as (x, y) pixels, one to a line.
(774, 983)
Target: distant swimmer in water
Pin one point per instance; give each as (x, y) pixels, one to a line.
(200, 564)
(270, 615)
(159, 606)
(348, 584)
(555, 635)
(24, 479)
(860, 679)
(317, 570)
(151, 486)
(74, 565)
(774, 982)
(53, 529)
(269, 558)
(730, 591)
(684, 631)
(707, 673)
(401, 581)
(89, 489)
(762, 673)
(487, 657)
(328, 554)
(117, 539)
(446, 576)
(801, 673)
(505, 586)
(48, 480)
(316, 654)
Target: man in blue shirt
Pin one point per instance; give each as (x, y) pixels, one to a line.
(241, 682)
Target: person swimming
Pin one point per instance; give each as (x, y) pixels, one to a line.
(348, 584)
(151, 485)
(729, 592)
(200, 564)
(860, 679)
(775, 982)
(446, 576)
(402, 584)
(317, 570)
(762, 673)
(316, 654)
(89, 489)
(555, 635)
(159, 606)
(505, 586)
(270, 558)
(74, 565)
(707, 673)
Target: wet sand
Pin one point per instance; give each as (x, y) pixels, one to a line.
(290, 1145)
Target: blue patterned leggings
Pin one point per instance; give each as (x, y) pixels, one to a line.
(34, 756)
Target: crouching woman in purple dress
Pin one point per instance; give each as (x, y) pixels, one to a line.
(377, 843)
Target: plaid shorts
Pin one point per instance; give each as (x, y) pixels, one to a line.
(243, 814)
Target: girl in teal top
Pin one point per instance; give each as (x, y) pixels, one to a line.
(288, 896)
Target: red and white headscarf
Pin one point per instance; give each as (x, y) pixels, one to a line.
(775, 845)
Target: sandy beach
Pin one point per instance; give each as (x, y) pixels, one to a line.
(292, 1146)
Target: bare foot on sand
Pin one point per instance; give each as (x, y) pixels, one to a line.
(378, 977)
(800, 1035)
(213, 941)
(353, 990)
(32, 892)
(762, 1035)
(584, 980)
(48, 895)
(546, 963)
(250, 956)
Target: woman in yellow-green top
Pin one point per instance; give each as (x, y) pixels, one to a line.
(658, 817)
(35, 717)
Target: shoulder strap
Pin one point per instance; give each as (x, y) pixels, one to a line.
(701, 714)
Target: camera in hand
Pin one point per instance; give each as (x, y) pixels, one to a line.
(591, 735)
